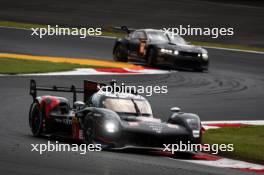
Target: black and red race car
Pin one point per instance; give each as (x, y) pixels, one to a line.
(115, 120)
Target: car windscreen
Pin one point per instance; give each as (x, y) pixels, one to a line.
(129, 106)
(157, 36)
(176, 39)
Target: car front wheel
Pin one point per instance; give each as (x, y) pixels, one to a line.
(88, 130)
(120, 53)
(36, 119)
(151, 59)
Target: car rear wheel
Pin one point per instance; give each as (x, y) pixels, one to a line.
(36, 119)
(151, 59)
(120, 53)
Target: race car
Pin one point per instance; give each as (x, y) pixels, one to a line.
(159, 47)
(114, 120)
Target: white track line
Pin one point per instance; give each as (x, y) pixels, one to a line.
(236, 50)
(228, 163)
(4, 27)
(210, 124)
(91, 71)
(246, 122)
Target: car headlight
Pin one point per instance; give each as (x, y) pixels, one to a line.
(196, 133)
(176, 52)
(166, 51)
(205, 56)
(111, 127)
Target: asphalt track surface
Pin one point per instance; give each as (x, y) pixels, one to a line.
(232, 89)
(246, 17)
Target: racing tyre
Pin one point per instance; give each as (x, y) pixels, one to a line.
(36, 119)
(88, 131)
(120, 53)
(198, 69)
(151, 59)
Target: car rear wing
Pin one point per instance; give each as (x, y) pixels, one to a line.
(34, 89)
(89, 88)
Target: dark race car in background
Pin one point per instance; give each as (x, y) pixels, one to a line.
(114, 120)
(158, 47)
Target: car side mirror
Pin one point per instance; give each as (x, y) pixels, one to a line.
(78, 105)
(175, 109)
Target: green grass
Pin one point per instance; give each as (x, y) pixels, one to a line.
(17, 66)
(248, 142)
(21, 25)
(112, 33)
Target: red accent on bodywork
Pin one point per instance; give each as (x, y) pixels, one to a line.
(203, 156)
(162, 153)
(203, 130)
(49, 102)
(75, 129)
(91, 86)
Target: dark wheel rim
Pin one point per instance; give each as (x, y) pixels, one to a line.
(89, 134)
(35, 120)
(118, 53)
(151, 57)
